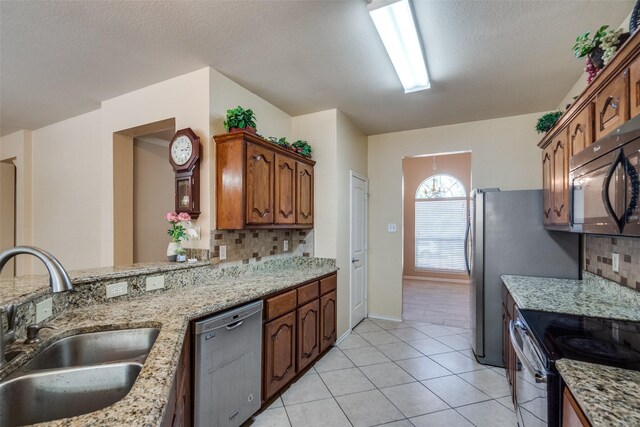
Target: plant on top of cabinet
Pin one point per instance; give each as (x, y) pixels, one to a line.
(599, 49)
(303, 148)
(546, 122)
(240, 119)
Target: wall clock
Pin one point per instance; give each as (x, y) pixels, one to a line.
(185, 159)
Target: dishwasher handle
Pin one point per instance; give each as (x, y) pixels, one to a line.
(232, 326)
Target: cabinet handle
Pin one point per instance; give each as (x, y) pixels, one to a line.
(615, 103)
(257, 158)
(547, 212)
(559, 212)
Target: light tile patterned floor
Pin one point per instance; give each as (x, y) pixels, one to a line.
(396, 374)
(438, 303)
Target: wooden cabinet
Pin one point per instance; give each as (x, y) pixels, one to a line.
(612, 105)
(261, 185)
(304, 200)
(285, 190)
(327, 320)
(581, 130)
(572, 415)
(279, 353)
(555, 181)
(634, 87)
(178, 408)
(508, 353)
(308, 328)
(300, 324)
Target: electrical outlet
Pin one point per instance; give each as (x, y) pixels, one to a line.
(44, 310)
(285, 246)
(223, 253)
(155, 282)
(615, 261)
(117, 289)
(391, 228)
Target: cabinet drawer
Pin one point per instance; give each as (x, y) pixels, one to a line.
(281, 304)
(307, 293)
(612, 105)
(328, 284)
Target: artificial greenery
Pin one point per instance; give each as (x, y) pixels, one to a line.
(546, 122)
(585, 44)
(240, 118)
(302, 147)
(282, 142)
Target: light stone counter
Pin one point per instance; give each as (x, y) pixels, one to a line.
(592, 296)
(608, 396)
(214, 289)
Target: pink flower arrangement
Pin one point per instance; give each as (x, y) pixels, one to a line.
(177, 230)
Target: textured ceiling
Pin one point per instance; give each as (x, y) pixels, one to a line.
(486, 58)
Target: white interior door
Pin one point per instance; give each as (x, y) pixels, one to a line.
(358, 232)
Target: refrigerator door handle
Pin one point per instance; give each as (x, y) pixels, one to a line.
(466, 247)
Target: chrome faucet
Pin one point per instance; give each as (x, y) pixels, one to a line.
(58, 280)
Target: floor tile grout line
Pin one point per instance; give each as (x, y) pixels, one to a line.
(334, 397)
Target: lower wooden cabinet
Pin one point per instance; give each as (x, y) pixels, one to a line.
(296, 333)
(279, 353)
(572, 415)
(327, 320)
(308, 328)
(178, 412)
(508, 353)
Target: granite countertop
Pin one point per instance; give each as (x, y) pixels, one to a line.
(171, 311)
(608, 396)
(20, 289)
(592, 296)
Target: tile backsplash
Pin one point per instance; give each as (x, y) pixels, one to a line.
(598, 258)
(253, 245)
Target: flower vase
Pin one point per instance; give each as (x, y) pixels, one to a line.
(171, 251)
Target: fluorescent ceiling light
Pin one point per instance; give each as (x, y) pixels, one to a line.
(397, 29)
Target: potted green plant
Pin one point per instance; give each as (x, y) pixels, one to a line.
(546, 122)
(240, 119)
(282, 142)
(302, 147)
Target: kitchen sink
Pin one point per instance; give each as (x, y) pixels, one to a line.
(54, 394)
(95, 348)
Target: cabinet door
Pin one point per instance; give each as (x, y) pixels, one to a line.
(279, 353)
(285, 190)
(260, 185)
(581, 130)
(612, 105)
(308, 330)
(547, 184)
(634, 87)
(327, 320)
(304, 199)
(560, 179)
(572, 415)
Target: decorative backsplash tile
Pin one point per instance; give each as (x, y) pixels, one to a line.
(598, 258)
(254, 245)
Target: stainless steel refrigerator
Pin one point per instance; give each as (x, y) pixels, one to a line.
(506, 236)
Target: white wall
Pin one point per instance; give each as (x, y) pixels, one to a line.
(504, 154)
(18, 148)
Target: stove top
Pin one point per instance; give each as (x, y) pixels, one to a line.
(588, 339)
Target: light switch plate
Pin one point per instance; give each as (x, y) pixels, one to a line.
(223, 253)
(615, 261)
(153, 283)
(285, 246)
(117, 289)
(391, 228)
(44, 310)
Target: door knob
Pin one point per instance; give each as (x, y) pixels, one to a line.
(354, 260)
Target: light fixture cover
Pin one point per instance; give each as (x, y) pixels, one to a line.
(396, 26)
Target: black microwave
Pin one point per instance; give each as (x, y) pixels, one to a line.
(605, 184)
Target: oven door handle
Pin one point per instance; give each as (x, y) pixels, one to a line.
(539, 376)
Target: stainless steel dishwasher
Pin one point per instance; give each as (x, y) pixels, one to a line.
(228, 367)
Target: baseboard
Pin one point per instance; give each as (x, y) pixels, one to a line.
(437, 279)
(381, 317)
(343, 337)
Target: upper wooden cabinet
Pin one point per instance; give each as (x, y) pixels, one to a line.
(581, 130)
(634, 87)
(261, 185)
(547, 185)
(555, 181)
(612, 105)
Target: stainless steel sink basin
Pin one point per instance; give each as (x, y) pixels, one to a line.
(95, 348)
(55, 394)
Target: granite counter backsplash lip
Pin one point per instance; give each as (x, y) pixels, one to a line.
(173, 310)
(592, 296)
(23, 288)
(608, 396)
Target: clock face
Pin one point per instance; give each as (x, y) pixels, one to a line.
(181, 150)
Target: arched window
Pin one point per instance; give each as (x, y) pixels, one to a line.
(441, 224)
